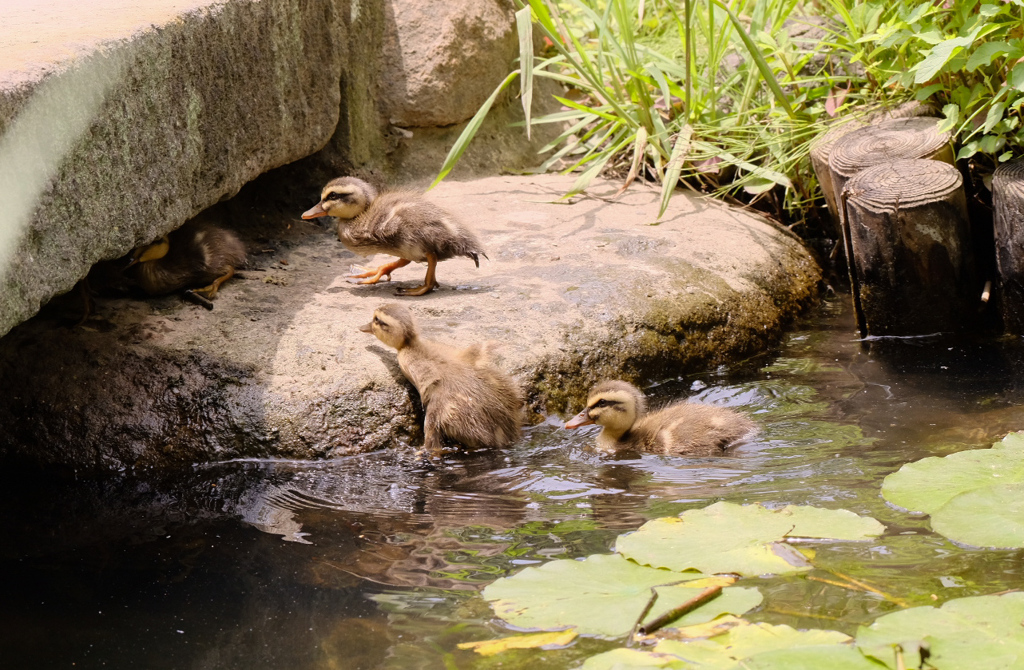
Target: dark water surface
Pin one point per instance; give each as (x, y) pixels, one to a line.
(376, 562)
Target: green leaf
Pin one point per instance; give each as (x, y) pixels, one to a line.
(937, 57)
(675, 167)
(470, 131)
(994, 116)
(748, 540)
(1016, 78)
(987, 517)
(746, 641)
(926, 485)
(603, 595)
(927, 91)
(831, 657)
(525, 26)
(634, 659)
(985, 54)
(963, 634)
(951, 114)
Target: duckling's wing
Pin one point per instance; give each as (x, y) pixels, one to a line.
(424, 373)
(693, 429)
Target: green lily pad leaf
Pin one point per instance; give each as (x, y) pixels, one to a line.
(987, 517)
(604, 595)
(963, 634)
(832, 657)
(745, 539)
(633, 659)
(1011, 441)
(743, 642)
(928, 484)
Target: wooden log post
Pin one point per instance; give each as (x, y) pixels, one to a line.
(897, 139)
(1008, 219)
(821, 147)
(911, 248)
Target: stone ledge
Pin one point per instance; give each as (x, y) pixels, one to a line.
(111, 140)
(575, 292)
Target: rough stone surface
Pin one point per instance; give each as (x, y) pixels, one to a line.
(574, 292)
(177, 115)
(442, 60)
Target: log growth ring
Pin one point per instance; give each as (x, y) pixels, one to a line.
(1008, 181)
(916, 137)
(903, 185)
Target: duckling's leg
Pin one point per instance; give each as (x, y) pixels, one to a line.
(432, 443)
(211, 290)
(382, 271)
(429, 282)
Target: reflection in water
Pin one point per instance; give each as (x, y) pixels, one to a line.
(383, 558)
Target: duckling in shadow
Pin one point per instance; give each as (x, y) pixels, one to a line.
(466, 400)
(681, 429)
(187, 258)
(399, 223)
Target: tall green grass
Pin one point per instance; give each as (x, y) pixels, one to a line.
(711, 92)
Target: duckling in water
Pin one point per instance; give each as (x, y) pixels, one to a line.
(684, 428)
(193, 255)
(400, 224)
(466, 399)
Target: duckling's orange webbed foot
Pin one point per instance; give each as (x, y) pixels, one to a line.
(210, 291)
(383, 271)
(419, 290)
(429, 282)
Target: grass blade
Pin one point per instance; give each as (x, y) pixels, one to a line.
(675, 167)
(470, 131)
(525, 26)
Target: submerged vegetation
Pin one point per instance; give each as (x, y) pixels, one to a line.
(726, 96)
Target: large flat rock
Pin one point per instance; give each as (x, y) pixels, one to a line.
(574, 291)
(121, 120)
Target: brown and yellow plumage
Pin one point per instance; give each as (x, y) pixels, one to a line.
(466, 399)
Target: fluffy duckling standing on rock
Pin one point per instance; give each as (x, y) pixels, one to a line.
(682, 429)
(398, 223)
(466, 399)
(194, 255)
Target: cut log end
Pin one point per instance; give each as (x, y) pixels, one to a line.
(916, 137)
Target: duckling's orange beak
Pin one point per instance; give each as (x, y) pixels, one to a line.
(367, 327)
(315, 211)
(581, 419)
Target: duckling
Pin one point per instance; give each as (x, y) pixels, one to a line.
(399, 223)
(193, 255)
(466, 399)
(684, 428)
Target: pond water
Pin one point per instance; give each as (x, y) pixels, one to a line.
(377, 562)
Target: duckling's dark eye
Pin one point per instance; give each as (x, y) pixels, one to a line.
(332, 196)
(600, 403)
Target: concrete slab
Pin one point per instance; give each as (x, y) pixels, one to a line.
(574, 291)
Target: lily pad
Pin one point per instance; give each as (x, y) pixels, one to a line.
(988, 517)
(604, 595)
(743, 642)
(532, 641)
(926, 485)
(832, 657)
(963, 634)
(974, 497)
(745, 539)
(633, 659)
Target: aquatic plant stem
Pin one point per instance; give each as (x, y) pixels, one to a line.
(693, 603)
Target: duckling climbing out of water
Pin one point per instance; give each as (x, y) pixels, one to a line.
(399, 223)
(189, 257)
(466, 399)
(682, 429)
